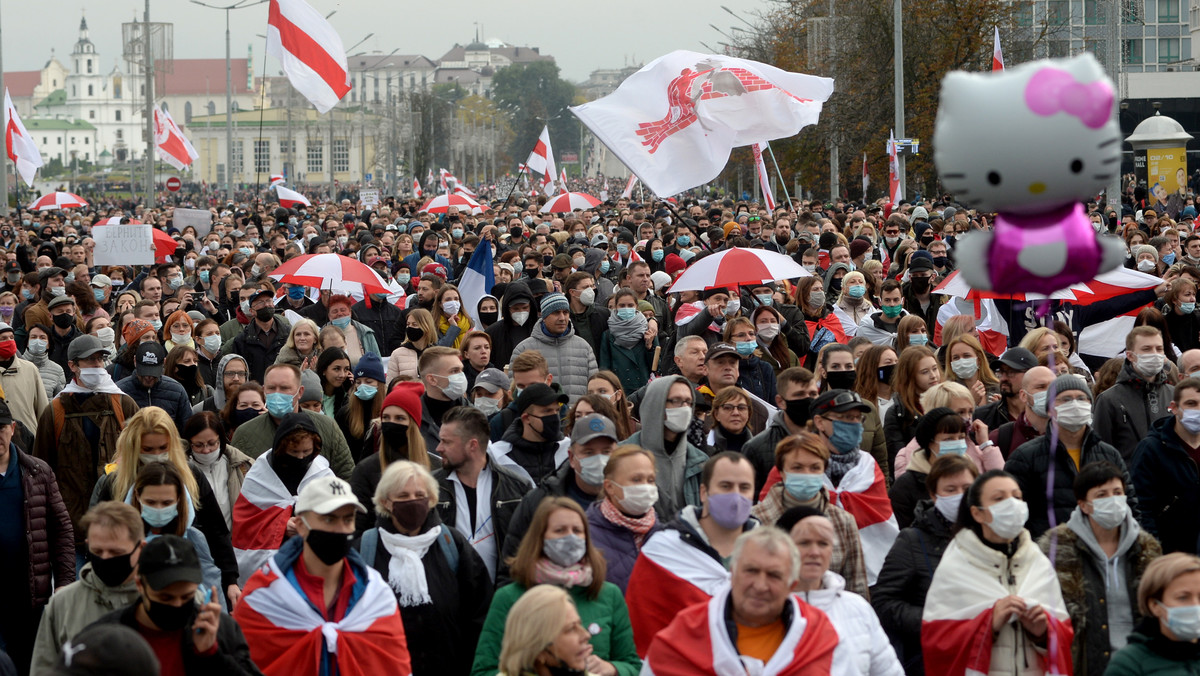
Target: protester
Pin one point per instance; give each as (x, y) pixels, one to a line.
(795, 389)
(395, 437)
(1163, 642)
(624, 518)
(149, 386)
(222, 465)
(679, 463)
(534, 446)
(570, 358)
(545, 634)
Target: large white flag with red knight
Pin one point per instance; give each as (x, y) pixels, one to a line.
(541, 162)
(675, 121)
(310, 51)
(760, 168)
(172, 146)
(21, 148)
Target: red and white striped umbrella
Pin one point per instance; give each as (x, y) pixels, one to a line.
(330, 271)
(738, 267)
(565, 203)
(58, 200)
(442, 203)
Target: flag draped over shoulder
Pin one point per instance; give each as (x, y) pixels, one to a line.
(863, 493)
(675, 121)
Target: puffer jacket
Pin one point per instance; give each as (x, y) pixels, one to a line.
(74, 607)
(166, 394)
(1168, 488)
(1123, 414)
(862, 642)
(1030, 464)
(899, 593)
(1087, 584)
(403, 362)
(54, 378)
(49, 535)
(570, 358)
(617, 544)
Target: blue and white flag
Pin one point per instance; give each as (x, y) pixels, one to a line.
(477, 281)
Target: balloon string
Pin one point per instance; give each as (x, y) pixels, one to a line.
(1043, 312)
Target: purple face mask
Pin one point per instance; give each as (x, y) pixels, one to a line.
(729, 510)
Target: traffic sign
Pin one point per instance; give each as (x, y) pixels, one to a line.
(174, 184)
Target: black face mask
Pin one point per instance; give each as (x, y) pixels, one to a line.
(551, 427)
(186, 373)
(291, 470)
(939, 261)
(395, 434)
(410, 514)
(835, 285)
(489, 318)
(170, 618)
(264, 314)
(112, 571)
(797, 411)
(532, 272)
(920, 284)
(414, 333)
(885, 373)
(244, 415)
(840, 380)
(328, 546)
(64, 321)
(546, 260)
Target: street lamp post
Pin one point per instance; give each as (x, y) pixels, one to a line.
(898, 57)
(241, 4)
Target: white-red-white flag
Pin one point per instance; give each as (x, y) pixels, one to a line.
(310, 51)
(997, 55)
(866, 177)
(628, 192)
(276, 179)
(460, 189)
(416, 189)
(675, 121)
(21, 148)
(541, 161)
(760, 168)
(446, 180)
(893, 170)
(172, 146)
(290, 198)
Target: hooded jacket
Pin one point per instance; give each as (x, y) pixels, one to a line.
(257, 436)
(216, 402)
(505, 333)
(1168, 487)
(74, 607)
(1100, 592)
(531, 460)
(1030, 464)
(166, 394)
(862, 642)
(415, 257)
(570, 358)
(1123, 413)
(678, 468)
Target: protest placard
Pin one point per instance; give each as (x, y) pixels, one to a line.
(370, 198)
(123, 245)
(200, 219)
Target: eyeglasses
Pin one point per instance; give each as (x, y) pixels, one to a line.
(752, 219)
(240, 375)
(731, 408)
(216, 443)
(678, 402)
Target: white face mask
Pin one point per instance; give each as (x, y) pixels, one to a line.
(1150, 365)
(768, 332)
(1110, 512)
(451, 307)
(965, 367)
(181, 338)
(639, 498)
(37, 346)
(1008, 517)
(213, 343)
(206, 459)
(678, 419)
(1073, 415)
(1145, 266)
(591, 469)
(106, 335)
(456, 386)
(587, 297)
(519, 318)
(487, 405)
(947, 506)
(94, 378)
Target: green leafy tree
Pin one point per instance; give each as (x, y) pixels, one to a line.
(534, 93)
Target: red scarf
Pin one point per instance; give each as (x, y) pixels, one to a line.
(638, 526)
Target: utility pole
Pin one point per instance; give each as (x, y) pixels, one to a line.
(332, 193)
(898, 72)
(4, 157)
(149, 111)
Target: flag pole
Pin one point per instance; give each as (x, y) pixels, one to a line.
(3, 158)
(782, 182)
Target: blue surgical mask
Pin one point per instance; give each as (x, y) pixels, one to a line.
(279, 404)
(765, 299)
(847, 436)
(1169, 259)
(204, 276)
(296, 292)
(918, 339)
(456, 233)
(952, 447)
(246, 250)
(623, 249)
(856, 290)
(746, 348)
(803, 487)
(99, 294)
(604, 266)
(341, 322)
(157, 517)
(1183, 621)
(657, 255)
(366, 392)
(403, 278)
(684, 240)
(27, 294)
(157, 323)
(626, 313)
(1187, 308)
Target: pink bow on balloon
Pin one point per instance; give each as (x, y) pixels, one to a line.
(1052, 90)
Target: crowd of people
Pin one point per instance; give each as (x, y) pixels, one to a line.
(207, 469)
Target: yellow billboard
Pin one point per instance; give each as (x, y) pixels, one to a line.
(1166, 179)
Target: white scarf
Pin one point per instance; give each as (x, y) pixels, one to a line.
(406, 573)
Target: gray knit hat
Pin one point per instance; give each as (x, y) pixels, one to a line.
(1144, 248)
(1067, 382)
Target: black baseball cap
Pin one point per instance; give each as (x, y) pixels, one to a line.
(168, 559)
(720, 350)
(539, 394)
(1015, 358)
(106, 650)
(150, 359)
(5, 414)
(838, 401)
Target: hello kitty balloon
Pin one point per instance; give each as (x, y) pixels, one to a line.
(1029, 143)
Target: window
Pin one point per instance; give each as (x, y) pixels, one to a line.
(86, 140)
(1094, 13)
(211, 108)
(1024, 13)
(91, 114)
(91, 90)
(89, 66)
(1131, 51)
(72, 140)
(120, 134)
(1168, 50)
(116, 87)
(1098, 48)
(1168, 12)
(1131, 11)
(73, 92)
(262, 155)
(237, 157)
(118, 114)
(1059, 48)
(1058, 12)
(341, 155)
(45, 141)
(316, 155)
(58, 140)
(187, 112)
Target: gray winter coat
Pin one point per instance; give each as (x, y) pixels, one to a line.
(571, 359)
(679, 468)
(1123, 413)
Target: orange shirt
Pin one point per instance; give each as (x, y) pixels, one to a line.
(760, 642)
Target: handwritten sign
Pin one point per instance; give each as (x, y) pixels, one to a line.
(123, 245)
(370, 198)
(200, 219)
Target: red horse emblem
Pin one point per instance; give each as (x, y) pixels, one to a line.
(707, 81)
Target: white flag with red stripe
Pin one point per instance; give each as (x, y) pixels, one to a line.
(760, 168)
(276, 179)
(172, 146)
(460, 189)
(628, 192)
(997, 55)
(416, 189)
(541, 161)
(310, 51)
(261, 513)
(21, 148)
(866, 177)
(863, 493)
(893, 171)
(289, 198)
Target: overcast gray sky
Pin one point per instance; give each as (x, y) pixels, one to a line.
(582, 36)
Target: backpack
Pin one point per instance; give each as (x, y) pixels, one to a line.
(60, 415)
(369, 545)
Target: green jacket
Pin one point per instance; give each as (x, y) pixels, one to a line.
(257, 436)
(72, 608)
(1149, 652)
(613, 642)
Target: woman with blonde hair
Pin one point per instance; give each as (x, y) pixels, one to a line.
(544, 631)
(1040, 341)
(965, 362)
(729, 424)
(854, 302)
(151, 436)
(954, 396)
(606, 384)
(557, 549)
(1165, 641)
(440, 581)
(301, 349)
(449, 318)
(420, 333)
